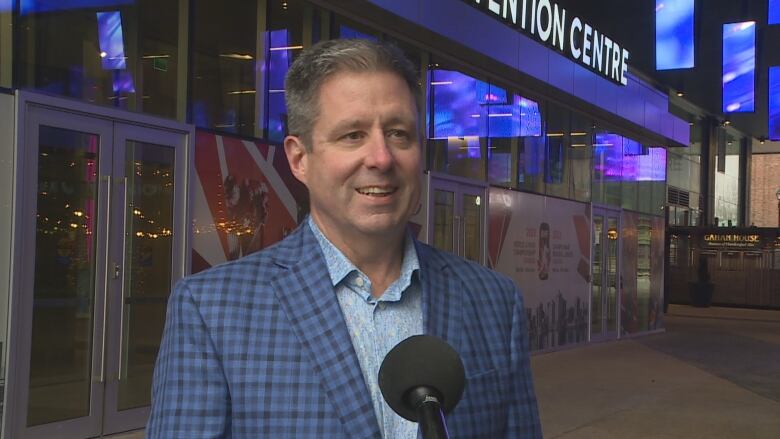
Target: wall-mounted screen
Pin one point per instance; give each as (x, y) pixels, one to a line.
(674, 40)
(464, 106)
(110, 40)
(774, 12)
(739, 67)
(774, 103)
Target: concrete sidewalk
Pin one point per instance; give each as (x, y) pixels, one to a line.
(714, 373)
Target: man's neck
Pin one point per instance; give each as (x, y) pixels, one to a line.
(378, 256)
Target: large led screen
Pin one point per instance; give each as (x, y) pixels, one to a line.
(774, 103)
(464, 106)
(674, 40)
(739, 67)
(774, 11)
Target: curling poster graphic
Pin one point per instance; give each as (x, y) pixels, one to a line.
(543, 244)
(244, 199)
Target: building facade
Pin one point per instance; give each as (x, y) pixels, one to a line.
(142, 142)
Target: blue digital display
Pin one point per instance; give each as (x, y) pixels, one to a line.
(39, 6)
(110, 40)
(774, 12)
(774, 103)
(739, 67)
(464, 106)
(674, 41)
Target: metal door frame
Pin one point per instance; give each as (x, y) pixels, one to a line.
(606, 212)
(80, 115)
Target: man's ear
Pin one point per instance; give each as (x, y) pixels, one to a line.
(296, 156)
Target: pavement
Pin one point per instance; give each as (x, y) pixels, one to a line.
(714, 373)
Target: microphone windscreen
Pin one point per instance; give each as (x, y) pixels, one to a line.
(421, 360)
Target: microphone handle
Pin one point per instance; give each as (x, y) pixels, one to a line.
(430, 415)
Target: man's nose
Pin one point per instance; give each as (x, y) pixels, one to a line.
(379, 154)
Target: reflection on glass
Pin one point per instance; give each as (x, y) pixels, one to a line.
(63, 292)
(612, 274)
(223, 69)
(117, 53)
(147, 281)
(472, 227)
(595, 309)
(443, 213)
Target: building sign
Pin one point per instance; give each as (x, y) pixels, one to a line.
(732, 240)
(572, 36)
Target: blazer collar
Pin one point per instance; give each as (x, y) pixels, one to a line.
(318, 323)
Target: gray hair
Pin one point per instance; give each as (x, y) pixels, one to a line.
(326, 58)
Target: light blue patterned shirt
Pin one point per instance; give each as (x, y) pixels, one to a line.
(377, 325)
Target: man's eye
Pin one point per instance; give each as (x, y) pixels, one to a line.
(398, 134)
(355, 135)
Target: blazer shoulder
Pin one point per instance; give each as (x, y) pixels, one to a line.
(469, 272)
(259, 267)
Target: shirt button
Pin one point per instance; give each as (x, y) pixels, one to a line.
(359, 281)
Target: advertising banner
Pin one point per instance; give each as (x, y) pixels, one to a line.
(543, 244)
(244, 198)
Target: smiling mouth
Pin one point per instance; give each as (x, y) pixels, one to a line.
(376, 191)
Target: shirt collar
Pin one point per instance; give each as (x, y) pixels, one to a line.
(339, 266)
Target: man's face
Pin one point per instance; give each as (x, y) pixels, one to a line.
(364, 166)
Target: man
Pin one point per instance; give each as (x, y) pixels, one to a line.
(287, 342)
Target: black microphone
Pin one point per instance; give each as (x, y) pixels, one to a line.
(422, 379)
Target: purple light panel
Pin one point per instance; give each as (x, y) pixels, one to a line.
(739, 67)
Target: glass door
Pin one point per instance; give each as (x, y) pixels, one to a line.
(457, 216)
(605, 277)
(103, 245)
(143, 265)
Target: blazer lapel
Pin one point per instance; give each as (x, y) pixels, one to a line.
(442, 297)
(306, 295)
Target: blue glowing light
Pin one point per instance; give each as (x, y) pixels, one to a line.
(774, 12)
(112, 47)
(774, 103)
(674, 41)
(739, 67)
(42, 6)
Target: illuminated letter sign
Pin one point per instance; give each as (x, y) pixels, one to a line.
(549, 24)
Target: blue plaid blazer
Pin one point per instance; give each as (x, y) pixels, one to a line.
(252, 349)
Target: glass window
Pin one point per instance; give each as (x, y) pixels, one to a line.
(607, 167)
(580, 155)
(120, 53)
(727, 199)
(223, 69)
(557, 169)
(285, 41)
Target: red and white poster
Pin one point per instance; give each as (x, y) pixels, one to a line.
(543, 244)
(244, 198)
